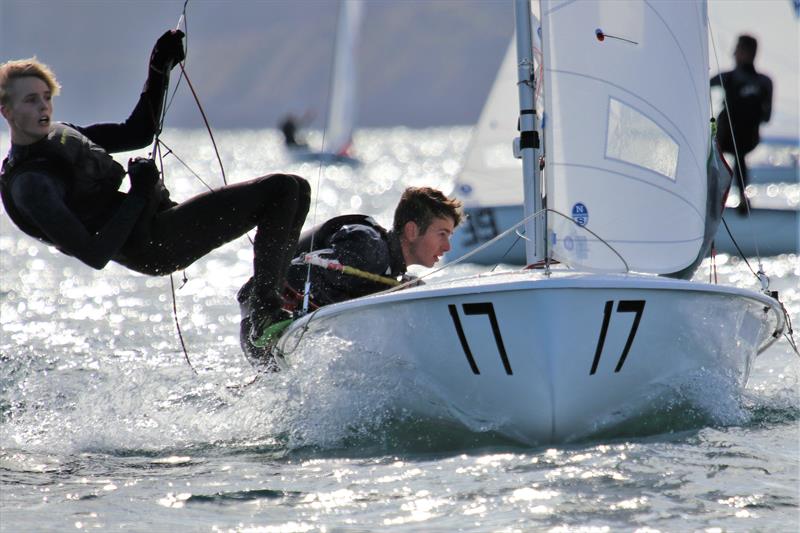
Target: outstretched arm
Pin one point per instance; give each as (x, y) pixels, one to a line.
(140, 127)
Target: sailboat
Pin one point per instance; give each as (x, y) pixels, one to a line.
(488, 185)
(564, 351)
(341, 118)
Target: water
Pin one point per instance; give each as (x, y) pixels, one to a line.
(104, 426)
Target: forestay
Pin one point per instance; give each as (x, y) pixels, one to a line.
(626, 131)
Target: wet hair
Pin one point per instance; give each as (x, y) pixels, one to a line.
(423, 204)
(21, 68)
(748, 43)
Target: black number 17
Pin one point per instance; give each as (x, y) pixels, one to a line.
(480, 309)
(624, 306)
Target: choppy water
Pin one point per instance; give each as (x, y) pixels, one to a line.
(103, 425)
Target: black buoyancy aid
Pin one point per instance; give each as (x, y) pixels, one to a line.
(91, 175)
(321, 236)
(322, 233)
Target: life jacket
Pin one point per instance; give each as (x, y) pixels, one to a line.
(322, 235)
(90, 174)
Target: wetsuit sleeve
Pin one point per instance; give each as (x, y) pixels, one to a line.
(40, 197)
(140, 127)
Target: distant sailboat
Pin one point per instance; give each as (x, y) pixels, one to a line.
(341, 119)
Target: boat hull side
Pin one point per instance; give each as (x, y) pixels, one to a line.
(550, 364)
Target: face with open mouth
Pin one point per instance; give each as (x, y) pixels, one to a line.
(29, 109)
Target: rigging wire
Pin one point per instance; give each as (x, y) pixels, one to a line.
(307, 284)
(157, 152)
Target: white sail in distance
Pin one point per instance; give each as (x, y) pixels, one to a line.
(342, 106)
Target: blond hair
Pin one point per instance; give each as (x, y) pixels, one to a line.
(20, 68)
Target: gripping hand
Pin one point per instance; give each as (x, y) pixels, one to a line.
(167, 52)
(143, 175)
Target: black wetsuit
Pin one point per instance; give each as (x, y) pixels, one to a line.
(749, 101)
(62, 190)
(354, 240)
(289, 129)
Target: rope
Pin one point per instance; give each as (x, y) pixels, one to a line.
(157, 152)
(178, 325)
(314, 259)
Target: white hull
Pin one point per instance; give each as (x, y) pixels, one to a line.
(306, 155)
(777, 231)
(765, 232)
(525, 355)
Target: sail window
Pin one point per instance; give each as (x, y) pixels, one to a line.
(636, 139)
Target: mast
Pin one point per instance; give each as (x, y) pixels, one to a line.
(526, 146)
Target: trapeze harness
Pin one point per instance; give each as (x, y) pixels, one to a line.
(90, 175)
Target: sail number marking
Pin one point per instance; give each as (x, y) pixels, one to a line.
(623, 306)
(485, 308)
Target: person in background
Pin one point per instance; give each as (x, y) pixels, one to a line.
(424, 222)
(290, 126)
(749, 103)
(60, 185)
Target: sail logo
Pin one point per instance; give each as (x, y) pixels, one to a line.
(580, 214)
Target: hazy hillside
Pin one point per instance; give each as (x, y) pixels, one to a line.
(422, 62)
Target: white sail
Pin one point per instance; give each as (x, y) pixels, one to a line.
(342, 106)
(491, 173)
(627, 131)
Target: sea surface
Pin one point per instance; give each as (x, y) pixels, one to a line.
(105, 426)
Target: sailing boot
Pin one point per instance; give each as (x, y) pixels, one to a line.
(268, 320)
(265, 333)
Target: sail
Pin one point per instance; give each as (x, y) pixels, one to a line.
(342, 105)
(626, 131)
(490, 175)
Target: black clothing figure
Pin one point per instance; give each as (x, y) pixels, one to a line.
(353, 240)
(749, 103)
(62, 190)
(289, 127)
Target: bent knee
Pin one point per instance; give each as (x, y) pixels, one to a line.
(288, 184)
